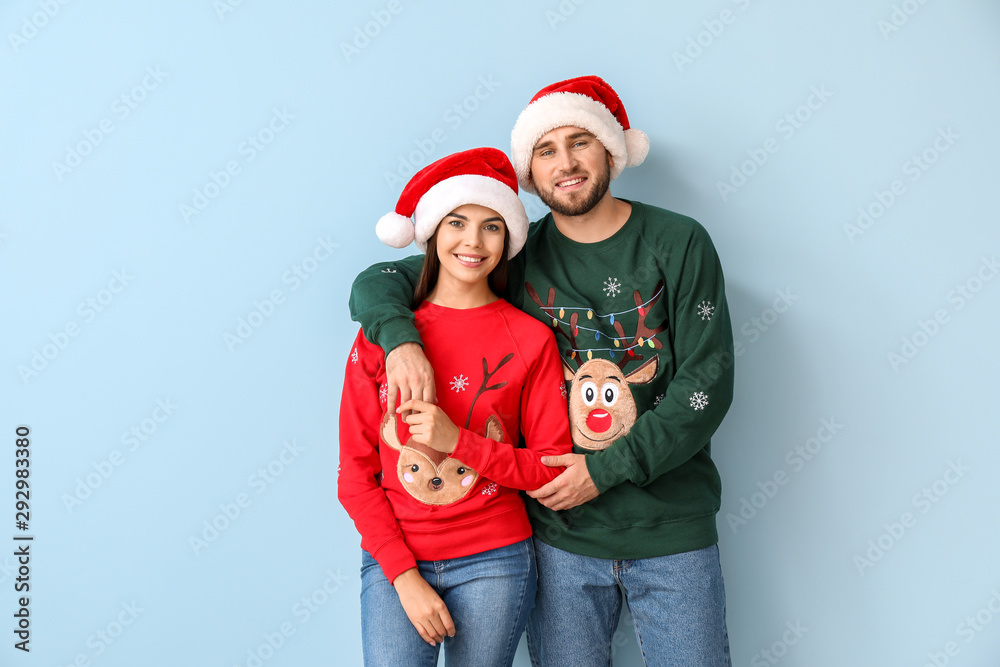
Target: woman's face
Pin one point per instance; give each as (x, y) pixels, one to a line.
(470, 243)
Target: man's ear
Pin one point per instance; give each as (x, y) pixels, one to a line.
(611, 159)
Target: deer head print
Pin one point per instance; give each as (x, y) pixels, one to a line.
(601, 405)
(433, 477)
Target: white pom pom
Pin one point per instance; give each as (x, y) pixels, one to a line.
(637, 146)
(394, 230)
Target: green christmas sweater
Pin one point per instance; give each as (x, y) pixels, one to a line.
(646, 343)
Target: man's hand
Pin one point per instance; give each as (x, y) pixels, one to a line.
(408, 375)
(424, 607)
(571, 488)
(430, 426)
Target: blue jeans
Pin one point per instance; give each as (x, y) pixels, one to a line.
(489, 596)
(678, 606)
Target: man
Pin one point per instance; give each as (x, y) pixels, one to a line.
(636, 298)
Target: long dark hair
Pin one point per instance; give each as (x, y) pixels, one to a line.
(497, 280)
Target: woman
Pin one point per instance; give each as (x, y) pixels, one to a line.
(447, 553)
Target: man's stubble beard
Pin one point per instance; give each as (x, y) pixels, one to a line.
(597, 192)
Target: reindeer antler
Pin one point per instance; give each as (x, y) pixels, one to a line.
(548, 309)
(487, 373)
(641, 330)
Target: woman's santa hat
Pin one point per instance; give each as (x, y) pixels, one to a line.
(587, 102)
(481, 176)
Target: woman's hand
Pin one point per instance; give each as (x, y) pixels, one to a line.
(424, 607)
(430, 426)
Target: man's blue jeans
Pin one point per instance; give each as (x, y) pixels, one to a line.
(489, 596)
(678, 605)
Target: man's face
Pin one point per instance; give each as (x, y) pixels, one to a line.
(571, 170)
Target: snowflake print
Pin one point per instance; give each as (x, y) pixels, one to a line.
(383, 393)
(562, 388)
(612, 286)
(389, 271)
(699, 400)
(459, 382)
(354, 356)
(658, 399)
(489, 489)
(706, 310)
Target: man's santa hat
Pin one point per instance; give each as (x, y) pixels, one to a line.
(481, 176)
(586, 102)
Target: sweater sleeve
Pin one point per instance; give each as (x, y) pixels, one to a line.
(358, 487)
(382, 302)
(544, 424)
(698, 396)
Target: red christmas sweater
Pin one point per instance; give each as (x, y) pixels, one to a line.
(497, 374)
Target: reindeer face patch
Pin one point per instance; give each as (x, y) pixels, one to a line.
(601, 406)
(428, 475)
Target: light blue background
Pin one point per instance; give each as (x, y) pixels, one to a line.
(346, 119)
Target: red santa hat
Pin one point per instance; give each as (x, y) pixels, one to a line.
(587, 102)
(481, 176)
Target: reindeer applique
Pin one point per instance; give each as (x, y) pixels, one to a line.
(433, 477)
(601, 405)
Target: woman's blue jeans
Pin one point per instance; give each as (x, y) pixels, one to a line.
(489, 596)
